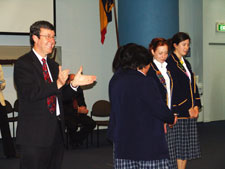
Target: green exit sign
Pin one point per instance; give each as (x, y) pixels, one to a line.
(220, 27)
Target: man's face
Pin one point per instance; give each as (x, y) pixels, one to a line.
(45, 43)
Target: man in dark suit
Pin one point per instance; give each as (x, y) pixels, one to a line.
(39, 82)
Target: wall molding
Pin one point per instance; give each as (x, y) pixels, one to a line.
(9, 54)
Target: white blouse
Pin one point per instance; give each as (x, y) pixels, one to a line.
(162, 68)
(185, 66)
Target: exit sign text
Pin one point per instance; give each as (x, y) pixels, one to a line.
(220, 27)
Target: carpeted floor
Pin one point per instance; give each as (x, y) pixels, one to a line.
(212, 139)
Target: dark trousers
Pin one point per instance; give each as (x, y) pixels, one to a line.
(34, 157)
(86, 123)
(7, 141)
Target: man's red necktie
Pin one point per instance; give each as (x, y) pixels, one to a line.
(75, 104)
(51, 100)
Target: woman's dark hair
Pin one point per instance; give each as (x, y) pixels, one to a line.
(35, 29)
(131, 56)
(156, 42)
(177, 38)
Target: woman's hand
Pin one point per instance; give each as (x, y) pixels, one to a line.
(165, 129)
(193, 112)
(196, 111)
(174, 122)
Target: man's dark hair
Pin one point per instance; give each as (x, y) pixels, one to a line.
(35, 29)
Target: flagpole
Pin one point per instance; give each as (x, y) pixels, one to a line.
(117, 32)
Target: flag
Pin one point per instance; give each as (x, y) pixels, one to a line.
(105, 7)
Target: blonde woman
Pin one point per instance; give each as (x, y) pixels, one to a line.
(8, 145)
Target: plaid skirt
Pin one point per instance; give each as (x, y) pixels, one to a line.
(132, 164)
(170, 138)
(183, 142)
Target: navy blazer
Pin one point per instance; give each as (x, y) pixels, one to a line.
(36, 125)
(137, 116)
(185, 92)
(154, 73)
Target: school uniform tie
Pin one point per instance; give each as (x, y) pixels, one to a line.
(182, 62)
(51, 100)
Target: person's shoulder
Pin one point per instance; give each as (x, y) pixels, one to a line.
(170, 59)
(153, 68)
(25, 58)
(116, 76)
(125, 76)
(134, 76)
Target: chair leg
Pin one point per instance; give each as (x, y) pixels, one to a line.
(13, 129)
(13, 126)
(97, 136)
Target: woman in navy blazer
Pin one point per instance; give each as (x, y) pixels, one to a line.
(158, 71)
(185, 101)
(138, 112)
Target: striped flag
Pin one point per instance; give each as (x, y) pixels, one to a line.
(105, 7)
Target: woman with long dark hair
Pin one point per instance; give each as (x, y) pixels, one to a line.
(185, 101)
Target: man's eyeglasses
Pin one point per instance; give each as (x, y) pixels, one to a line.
(49, 37)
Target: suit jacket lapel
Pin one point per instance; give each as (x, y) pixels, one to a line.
(37, 64)
(159, 74)
(171, 82)
(52, 69)
(179, 65)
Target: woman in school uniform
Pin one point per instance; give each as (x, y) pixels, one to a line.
(158, 71)
(138, 112)
(185, 101)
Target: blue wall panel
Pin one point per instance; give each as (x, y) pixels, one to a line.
(141, 20)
